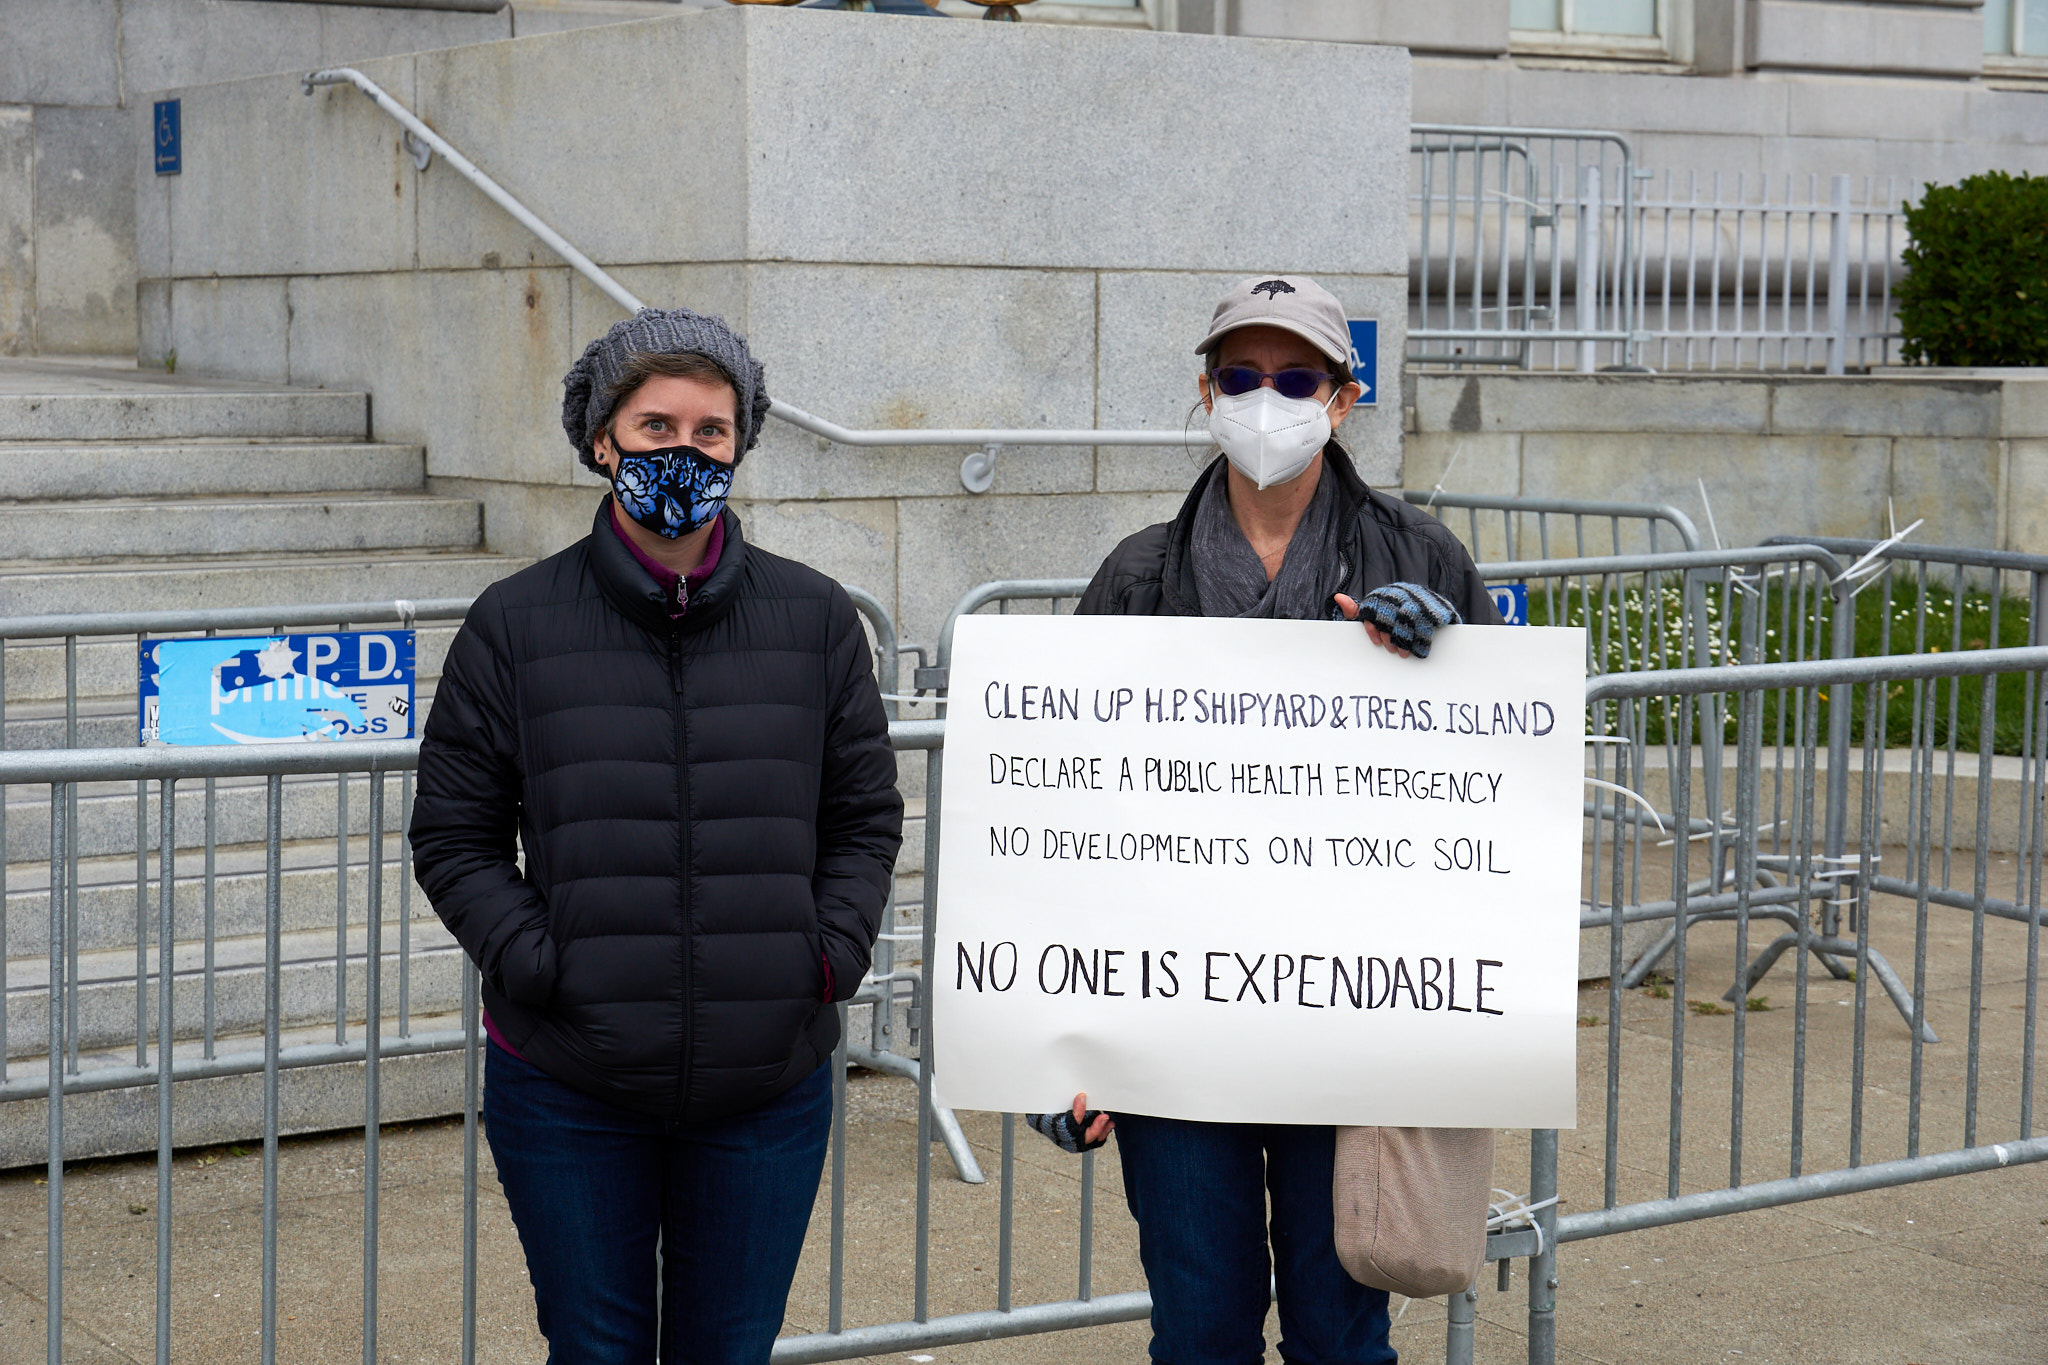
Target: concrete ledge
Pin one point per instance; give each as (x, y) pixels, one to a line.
(256, 580)
(1896, 792)
(178, 416)
(205, 468)
(1930, 38)
(222, 1109)
(1779, 454)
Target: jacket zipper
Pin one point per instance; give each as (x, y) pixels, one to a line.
(675, 668)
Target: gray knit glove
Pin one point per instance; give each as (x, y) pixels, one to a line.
(1408, 612)
(1064, 1132)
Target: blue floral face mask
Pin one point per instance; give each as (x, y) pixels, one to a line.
(672, 491)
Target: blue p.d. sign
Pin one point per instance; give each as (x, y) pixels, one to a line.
(278, 689)
(1365, 357)
(1511, 600)
(164, 134)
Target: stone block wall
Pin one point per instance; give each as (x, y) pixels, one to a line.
(71, 75)
(915, 223)
(1778, 455)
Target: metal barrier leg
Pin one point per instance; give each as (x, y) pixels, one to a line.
(1825, 949)
(944, 1122)
(1463, 1308)
(934, 767)
(167, 937)
(61, 826)
(472, 1056)
(834, 1308)
(273, 1004)
(1543, 1265)
(964, 1164)
(373, 1005)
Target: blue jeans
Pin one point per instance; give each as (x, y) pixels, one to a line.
(590, 1185)
(1199, 1192)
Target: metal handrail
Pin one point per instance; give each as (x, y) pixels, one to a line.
(423, 142)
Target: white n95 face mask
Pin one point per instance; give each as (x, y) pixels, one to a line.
(1267, 437)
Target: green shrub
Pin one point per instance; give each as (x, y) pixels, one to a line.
(1976, 286)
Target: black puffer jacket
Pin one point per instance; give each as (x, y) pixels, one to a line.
(705, 807)
(1385, 540)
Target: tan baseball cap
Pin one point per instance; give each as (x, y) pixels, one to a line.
(1293, 303)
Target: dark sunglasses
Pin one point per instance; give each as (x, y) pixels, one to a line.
(1296, 381)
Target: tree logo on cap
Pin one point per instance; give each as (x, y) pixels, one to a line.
(1273, 288)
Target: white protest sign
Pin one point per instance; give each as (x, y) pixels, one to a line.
(1262, 871)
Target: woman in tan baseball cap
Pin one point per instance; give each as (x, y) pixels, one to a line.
(1279, 525)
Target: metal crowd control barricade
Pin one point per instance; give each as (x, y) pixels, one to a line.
(1520, 239)
(1630, 527)
(1952, 600)
(1893, 1080)
(1650, 613)
(1555, 525)
(79, 674)
(1729, 273)
(166, 1057)
(1657, 708)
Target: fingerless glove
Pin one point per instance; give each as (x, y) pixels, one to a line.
(1064, 1132)
(1409, 613)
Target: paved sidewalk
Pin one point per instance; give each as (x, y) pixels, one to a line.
(1953, 1271)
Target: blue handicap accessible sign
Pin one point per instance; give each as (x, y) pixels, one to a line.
(1365, 357)
(277, 689)
(1511, 600)
(167, 137)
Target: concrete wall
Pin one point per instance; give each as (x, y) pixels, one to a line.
(916, 223)
(72, 71)
(1759, 88)
(1779, 455)
(1767, 124)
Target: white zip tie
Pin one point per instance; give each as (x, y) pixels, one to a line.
(1617, 787)
(1868, 567)
(1514, 1212)
(1448, 467)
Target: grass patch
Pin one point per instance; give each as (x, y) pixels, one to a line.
(1633, 630)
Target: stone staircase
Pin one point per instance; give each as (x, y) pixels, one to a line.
(127, 490)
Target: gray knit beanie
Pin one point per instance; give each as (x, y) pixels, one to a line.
(586, 389)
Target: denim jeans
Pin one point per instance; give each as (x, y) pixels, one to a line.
(590, 1186)
(1199, 1192)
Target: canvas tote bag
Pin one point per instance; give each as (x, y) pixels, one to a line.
(1411, 1206)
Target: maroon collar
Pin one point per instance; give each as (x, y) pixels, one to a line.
(674, 586)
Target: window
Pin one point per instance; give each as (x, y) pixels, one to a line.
(2016, 28)
(1622, 18)
(1633, 30)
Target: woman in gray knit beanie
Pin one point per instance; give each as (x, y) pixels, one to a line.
(657, 807)
(590, 391)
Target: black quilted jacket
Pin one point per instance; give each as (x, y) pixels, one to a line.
(1385, 540)
(706, 808)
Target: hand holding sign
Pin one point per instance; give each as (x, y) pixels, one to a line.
(1255, 870)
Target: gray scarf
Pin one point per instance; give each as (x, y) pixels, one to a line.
(1231, 581)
